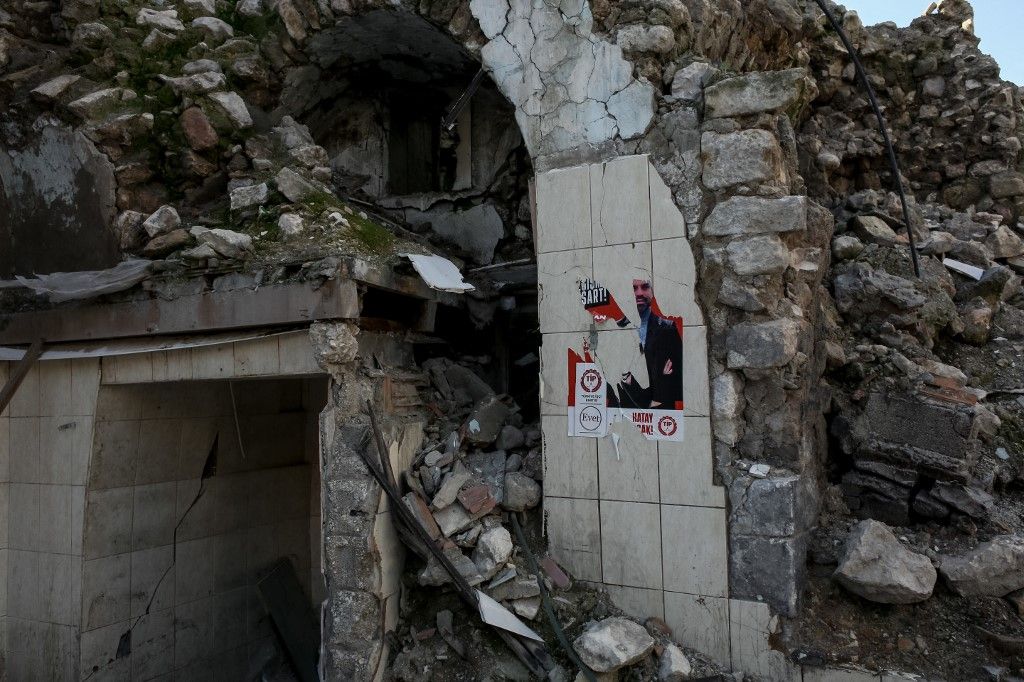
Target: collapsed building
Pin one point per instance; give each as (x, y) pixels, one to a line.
(637, 266)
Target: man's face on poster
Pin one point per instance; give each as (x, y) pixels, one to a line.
(643, 292)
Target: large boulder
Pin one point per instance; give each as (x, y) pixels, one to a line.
(613, 643)
(754, 93)
(877, 567)
(993, 569)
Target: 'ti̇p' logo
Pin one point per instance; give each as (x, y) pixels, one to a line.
(667, 425)
(591, 381)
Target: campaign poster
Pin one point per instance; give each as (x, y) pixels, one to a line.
(648, 391)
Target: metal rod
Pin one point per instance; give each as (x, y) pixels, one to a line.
(549, 609)
(893, 160)
(448, 122)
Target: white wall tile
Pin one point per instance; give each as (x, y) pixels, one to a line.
(193, 570)
(3, 596)
(563, 209)
(570, 464)
(554, 370)
(153, 645)
(85, 382)
(23, 585)
(106, 590)
(666, 220)
(60, 588)
(620, 204)
(701, 623)
(159, 442)
(675, 278)
(696, 393)
(296, 354)
(574, 535)
(631, 544)
(696, 558)
(54, 388)
(172, 365)
(628, 470)
(193, 632)
(99, 654)
(23, 519)
(559, 306)
(750, 626)
(152, 580)
(638, 603)
(25, 402)
(60, 442)
(154, 515)
(256, 357)
(24, 449)
(115, 451)
(615, 268)
(55, 518)
(108, 522)
(213, 362)
(5, 449)
(686, 468)
(136, 368)
(77, 518)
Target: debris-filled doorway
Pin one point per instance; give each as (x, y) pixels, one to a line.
(197, 492)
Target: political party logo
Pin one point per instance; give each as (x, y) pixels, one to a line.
(591, 418)
(590, 381)
(667, 425)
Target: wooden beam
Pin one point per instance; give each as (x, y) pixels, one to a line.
(20, 372)
(272, 305)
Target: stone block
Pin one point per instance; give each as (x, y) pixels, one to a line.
(740, 158)
(906, 421)
(772, 507)
(754, 93)
(762, 345)
(574, 535)
(694, 545)
(760, 255)
(743, 215)
(772, 569)
(563, 210)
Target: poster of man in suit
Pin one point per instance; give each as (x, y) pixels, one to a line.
(648, 391)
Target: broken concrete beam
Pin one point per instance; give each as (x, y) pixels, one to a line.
(435, 575)
(521, 587)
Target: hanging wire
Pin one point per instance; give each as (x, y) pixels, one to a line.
(894, 163)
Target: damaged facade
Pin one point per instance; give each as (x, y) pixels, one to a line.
(238, 231)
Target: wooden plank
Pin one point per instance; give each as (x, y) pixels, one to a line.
(20, 372)
(210, 311)
(293, 618)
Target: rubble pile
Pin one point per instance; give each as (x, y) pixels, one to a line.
(481, 464)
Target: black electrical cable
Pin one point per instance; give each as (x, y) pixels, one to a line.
(549, 609)
(893, 161)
